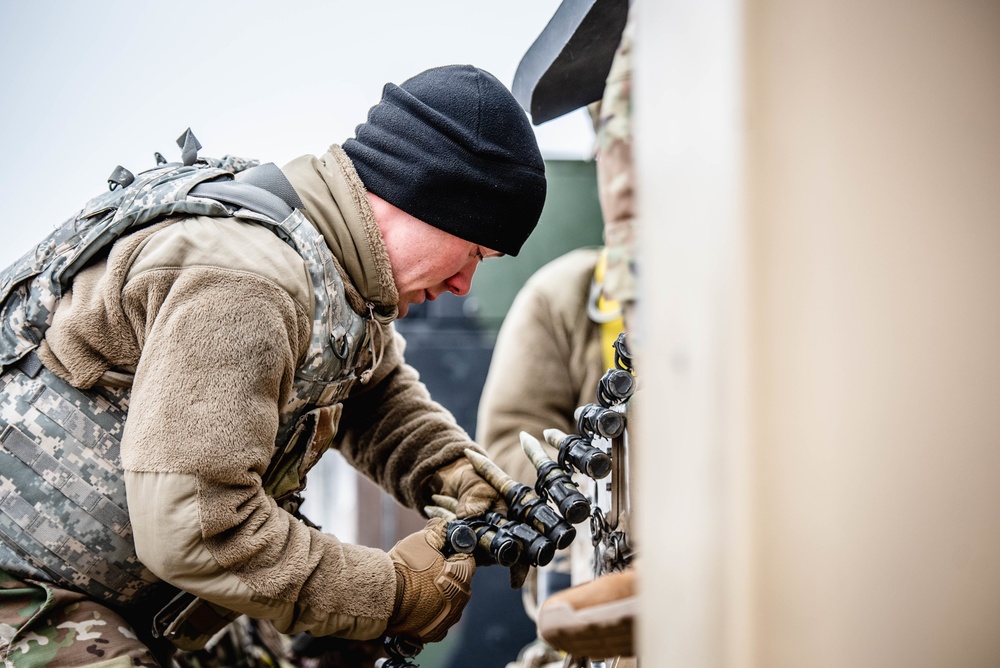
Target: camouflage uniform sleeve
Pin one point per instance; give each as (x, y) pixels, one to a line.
(219, 351)
(615, 174)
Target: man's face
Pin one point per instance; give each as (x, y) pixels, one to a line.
(426, 261)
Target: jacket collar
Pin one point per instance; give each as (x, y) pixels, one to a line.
(337, 205)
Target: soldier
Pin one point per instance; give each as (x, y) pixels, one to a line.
(616, 177)
(244, 326)
(548, 357)
(555, 343)
(599, 616)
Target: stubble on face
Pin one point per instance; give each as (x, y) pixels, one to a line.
(426, 261)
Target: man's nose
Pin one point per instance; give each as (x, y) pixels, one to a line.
(461, 283)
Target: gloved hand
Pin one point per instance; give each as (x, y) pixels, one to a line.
(431, 591)
(518, 571)
(475, 495)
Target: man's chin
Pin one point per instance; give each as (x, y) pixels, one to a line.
(401, 309)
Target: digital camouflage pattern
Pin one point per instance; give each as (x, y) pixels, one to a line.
(63, 515)
(42, 625)
(616, 176)
(63, 496)
(616, 191)
(31, 287)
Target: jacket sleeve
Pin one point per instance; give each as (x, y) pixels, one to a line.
(545, 364)
(396, 434)
(219, 350)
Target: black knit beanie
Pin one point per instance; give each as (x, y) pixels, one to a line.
(452, 147)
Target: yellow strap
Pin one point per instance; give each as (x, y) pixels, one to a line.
(612, 328)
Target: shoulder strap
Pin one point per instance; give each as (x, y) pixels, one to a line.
(605, 312)
(262, 189)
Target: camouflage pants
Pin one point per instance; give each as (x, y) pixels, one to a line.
(43, 625)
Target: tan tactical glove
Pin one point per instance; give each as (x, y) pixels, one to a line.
(475, 495)
(431, 591)
(518, 572)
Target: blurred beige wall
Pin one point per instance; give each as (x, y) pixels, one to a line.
(819, 335)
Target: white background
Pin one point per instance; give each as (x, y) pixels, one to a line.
(86, 86)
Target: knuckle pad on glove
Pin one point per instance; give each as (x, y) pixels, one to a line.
(433, 591)
(453, 583)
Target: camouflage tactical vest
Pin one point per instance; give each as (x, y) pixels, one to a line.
(63, 512)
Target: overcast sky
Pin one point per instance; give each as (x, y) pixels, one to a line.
(90, 85)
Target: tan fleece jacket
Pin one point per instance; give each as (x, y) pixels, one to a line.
(546, 362)
(212, 315)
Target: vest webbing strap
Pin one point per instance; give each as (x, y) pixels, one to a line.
(16, 513)
(77, 424)
(30, 364)
(68, 483)
(264, 189)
